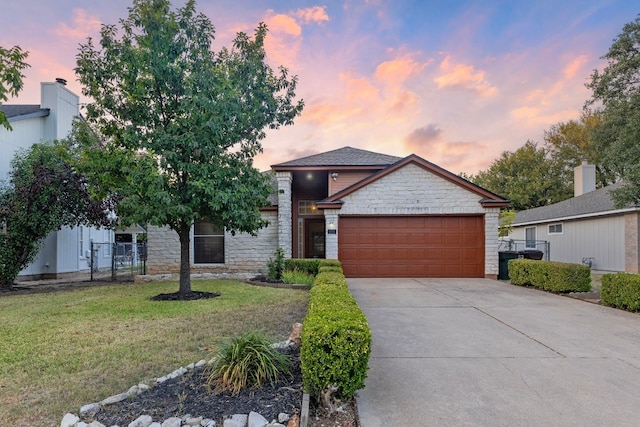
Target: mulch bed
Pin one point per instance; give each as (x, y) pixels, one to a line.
(188, 394)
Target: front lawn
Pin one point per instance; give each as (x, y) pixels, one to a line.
(61, 350)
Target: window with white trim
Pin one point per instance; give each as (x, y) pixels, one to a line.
(208, 243)
(555, 228)
(530, 237)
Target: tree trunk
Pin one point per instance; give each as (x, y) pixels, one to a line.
(185, 261)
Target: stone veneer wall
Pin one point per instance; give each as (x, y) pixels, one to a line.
(632, 242)
(245, 255)
(412, 190)
(284, 237)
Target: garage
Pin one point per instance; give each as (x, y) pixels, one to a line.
(412, 246)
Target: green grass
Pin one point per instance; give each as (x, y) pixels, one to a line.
(59, 351)
(298, 277)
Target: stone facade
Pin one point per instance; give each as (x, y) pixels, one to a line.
(412, 190)
(284, 237)
(632, 242)
(245, 255)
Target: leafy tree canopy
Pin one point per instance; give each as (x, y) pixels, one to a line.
(44, 194)
(11, 66)
(528, 177)
(183, 123)
(617, 89)
(570, 143)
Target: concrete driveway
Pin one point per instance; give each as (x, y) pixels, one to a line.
(476, 352)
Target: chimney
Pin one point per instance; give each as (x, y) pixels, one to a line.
(584, 179)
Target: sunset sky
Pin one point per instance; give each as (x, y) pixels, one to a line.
(455, 82)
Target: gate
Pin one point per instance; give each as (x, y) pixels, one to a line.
(118, 261)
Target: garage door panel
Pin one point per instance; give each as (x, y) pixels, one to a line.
(412, 246)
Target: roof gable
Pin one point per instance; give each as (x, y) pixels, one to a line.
(342, 157)
(590, 203)
(488, 199)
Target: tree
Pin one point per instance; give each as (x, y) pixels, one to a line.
(570, 143)
(11, 66)
(183, 123)
(528, 177)
(617, 88)
(44, 194)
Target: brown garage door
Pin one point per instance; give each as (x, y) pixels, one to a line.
(411, 246)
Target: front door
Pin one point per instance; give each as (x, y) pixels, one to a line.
(314, 238)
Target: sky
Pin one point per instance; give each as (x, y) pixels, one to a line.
(455, 82)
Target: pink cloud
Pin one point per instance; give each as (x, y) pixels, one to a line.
(397, 70)
(84, 25)
(465, 77)
(317, 14)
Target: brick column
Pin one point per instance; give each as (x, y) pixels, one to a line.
(285, 240)
(331, 240)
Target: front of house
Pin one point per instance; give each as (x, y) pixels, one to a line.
(380, 215)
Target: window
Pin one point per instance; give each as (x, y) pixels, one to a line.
(81, 241)
(208, 243)
(530, 237)
(307, 207)
(555, 228)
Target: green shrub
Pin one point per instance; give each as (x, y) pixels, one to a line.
(247, 361)
(330, 269)
(550, 275)
(297, 277)
(336, 339)
(621, 290)
(276, 265)
(310, 265)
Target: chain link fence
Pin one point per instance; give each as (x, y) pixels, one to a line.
(118, 261)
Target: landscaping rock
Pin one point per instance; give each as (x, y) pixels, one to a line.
(237, 420)
(114, 399)
(89, 410)
(208, 423)
(141, 421)
(95, 424)
(172, 422)
(69, 420)
(257, 420)
(283, 418)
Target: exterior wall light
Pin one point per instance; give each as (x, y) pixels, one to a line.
(334, 176)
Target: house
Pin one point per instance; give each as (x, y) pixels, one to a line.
(380, 215)
(68, 251)
(586, 228)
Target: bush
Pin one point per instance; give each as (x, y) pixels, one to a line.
(550, 275)
(621, 290)
(330, 269)
(336, 339)
(297, 277)
(247, 361)
(310, 265)
(276, 265)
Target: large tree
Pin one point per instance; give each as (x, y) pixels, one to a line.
(528, 177)
(617, 89)
(183, 123)
(572, 142)
(45, 193)
(11, 66)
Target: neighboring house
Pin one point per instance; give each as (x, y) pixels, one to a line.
(586, 228)
(380, 215)
(67, 251)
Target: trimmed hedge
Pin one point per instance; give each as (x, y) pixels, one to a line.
(550, 276)
(310, 265)
(621, 290)
(330, 269)
(336, 339)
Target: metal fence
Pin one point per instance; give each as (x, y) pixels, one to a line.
(117, 261)
(522, 246)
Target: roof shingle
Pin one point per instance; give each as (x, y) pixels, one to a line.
(590, 203)
(13, 111)
(346, 156)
